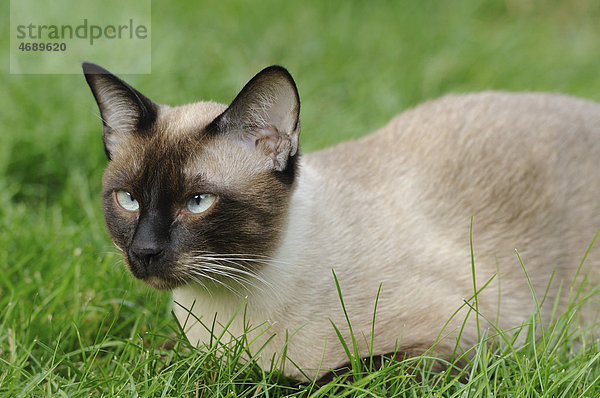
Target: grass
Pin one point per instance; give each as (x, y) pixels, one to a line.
(74, 323)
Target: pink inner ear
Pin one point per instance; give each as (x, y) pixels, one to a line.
(269, 141)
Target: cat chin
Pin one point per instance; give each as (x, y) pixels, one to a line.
(161, 284)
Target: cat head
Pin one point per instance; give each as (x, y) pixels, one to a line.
(197, 193)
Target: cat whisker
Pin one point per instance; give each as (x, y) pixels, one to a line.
(202, 278)
(245, 257)
(237, 255)
(228, 271)
(196, 279)
(245, 264)
(199, 281)
(242, 268)
(240, 276)
(240, 273)
(240, 265)
(194, 271)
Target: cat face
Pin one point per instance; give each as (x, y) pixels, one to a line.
(197, 193)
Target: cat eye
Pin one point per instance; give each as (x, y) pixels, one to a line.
(126, 201)
(200, 203)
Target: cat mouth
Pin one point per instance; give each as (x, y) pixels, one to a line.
(156, 279)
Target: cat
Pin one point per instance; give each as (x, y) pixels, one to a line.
(215, 203)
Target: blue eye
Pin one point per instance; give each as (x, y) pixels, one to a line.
(200, 203)
(126, 201)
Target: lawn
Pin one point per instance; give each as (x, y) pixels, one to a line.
(73, 322)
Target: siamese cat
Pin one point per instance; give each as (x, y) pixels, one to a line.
(215, 203)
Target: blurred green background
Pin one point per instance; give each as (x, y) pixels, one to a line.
(356, 64)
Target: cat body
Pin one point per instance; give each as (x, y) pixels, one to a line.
(389, 213)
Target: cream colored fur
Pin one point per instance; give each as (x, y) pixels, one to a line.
(394, 209)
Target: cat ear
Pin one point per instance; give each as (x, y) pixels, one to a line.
(265, 116)
(123, 109)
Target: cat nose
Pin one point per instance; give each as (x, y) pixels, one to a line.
(149, 241)
(144, 260)
(146, 253)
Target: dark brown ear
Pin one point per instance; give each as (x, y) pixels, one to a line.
(265, 115)
(123, 109)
